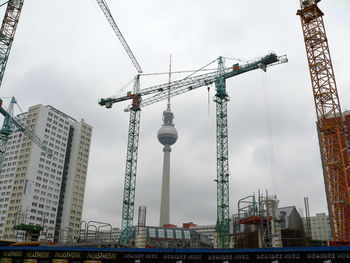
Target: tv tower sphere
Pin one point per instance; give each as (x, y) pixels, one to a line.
(167, 134)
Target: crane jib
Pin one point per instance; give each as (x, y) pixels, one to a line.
(187, 84)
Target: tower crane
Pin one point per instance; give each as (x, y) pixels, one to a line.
(133, 134)
(333, 143)
(7, 32)
(159, 92)
(104, 7)
(9, 122)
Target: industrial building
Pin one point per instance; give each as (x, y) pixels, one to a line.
(42, 193)
(286, 230)
(261, 223)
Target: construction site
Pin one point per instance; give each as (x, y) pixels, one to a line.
(229, 163)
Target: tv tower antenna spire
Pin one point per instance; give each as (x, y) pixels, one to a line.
(169, 82)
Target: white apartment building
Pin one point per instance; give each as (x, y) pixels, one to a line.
(320, 227)
(36, 189)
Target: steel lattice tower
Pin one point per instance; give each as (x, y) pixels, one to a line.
(334, 150)
(131, 166)
(7, 32)
(222, 179)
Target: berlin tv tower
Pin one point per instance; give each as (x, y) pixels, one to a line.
(167, 135)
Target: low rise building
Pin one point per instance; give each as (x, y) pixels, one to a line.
(206, 230)
(169, 237)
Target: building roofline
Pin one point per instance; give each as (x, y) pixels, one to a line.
(291, 206)
(60, 112)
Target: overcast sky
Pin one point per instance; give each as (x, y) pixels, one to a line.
(66, 55)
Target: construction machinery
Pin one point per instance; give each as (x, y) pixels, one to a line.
(258, 221)
(133, 136)
(7, 32)
(160, 92)
(333, 143)
(9, 123)
(104, 7)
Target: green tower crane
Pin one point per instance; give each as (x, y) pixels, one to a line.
(159, 93)
(222, 174)
(11, 122)
(5, 131)
(7, 33)
(133, 135)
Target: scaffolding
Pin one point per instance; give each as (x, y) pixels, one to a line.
(25, 231)
(257, 223)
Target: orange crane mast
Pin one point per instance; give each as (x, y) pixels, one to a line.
(333, 144)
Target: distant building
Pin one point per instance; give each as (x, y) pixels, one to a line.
(37, 190)
(320, 227)
(255, 228)
(206, 230)
(292, 228)
(290, 218)
(102, 234)
(164, 237)
(257, 223)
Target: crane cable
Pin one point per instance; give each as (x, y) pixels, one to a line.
(24, 122)
(202, 68)
(123, 88)
(169, 81)
(269, 133)
(176, 72)
(28, 126)
(4, 3)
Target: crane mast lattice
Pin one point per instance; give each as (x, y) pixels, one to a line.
(131, 165)
(7, 32)
(222, 175)
(108, 15)
(133, 134)
(333, 144)
(11, 122)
